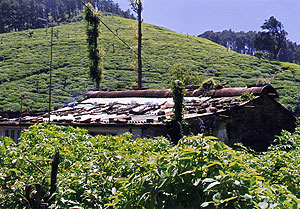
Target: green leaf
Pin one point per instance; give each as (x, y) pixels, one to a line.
(218, 146)
(210, 138)
(252, 180)
(222, 173)
(208, 180)
(186, 172)
(190, 150)
(13, 170)
(229, 199)
(216, 197)
(196, 181)
(186, 158)
(293, 197)
(211, 185)
(205, 204)
(263, 205)
(212, 163)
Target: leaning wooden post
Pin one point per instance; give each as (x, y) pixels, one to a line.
(54, 177)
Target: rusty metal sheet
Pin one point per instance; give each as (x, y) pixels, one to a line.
(232, 92)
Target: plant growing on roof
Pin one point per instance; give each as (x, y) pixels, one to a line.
(95, 53)
(210, 84)
(246, 96)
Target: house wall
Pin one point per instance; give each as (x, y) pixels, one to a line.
(139, 131)
(113, 130)
(10, 131)
(153, 131)
(142, 131)
(255, 124)
(210, 125)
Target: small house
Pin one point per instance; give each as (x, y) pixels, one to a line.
(224, 113)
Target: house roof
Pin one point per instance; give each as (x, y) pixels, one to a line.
(135, 93)
(225, 92)
(140, 107)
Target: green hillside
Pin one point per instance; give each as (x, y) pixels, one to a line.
(24, 63)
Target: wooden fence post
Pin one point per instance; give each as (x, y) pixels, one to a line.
(36, 198)
(54, 177)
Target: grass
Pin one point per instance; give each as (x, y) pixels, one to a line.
(24, 63)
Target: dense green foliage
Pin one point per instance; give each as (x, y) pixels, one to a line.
(123, 172)
(24, 64)
(22, 15)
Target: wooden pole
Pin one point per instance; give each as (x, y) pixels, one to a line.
(139, 44)
(50, 82)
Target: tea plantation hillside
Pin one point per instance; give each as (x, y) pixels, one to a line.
(24, 63)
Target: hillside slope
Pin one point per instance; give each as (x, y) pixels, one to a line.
(24, 63)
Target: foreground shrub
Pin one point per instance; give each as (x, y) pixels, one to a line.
(201, 173)
(122, 172)
(281, 164)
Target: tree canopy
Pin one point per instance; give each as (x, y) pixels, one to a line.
(272, 38)
(271, 43)
(241, 42)
(22, 15)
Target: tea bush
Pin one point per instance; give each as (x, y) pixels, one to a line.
(125, 172)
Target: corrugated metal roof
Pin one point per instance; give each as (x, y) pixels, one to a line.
(225, 92)
(135, 93)
(232, 92)
(133, 110)
(145, 106)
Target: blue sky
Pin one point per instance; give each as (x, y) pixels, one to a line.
(194, 17)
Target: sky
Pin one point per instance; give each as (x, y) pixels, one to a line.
(194, 17)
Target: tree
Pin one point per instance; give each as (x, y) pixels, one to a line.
(137, 7)
(94, 53)
(272, 39)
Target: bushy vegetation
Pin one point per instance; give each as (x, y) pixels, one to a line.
(24, 64)
(123, 172)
